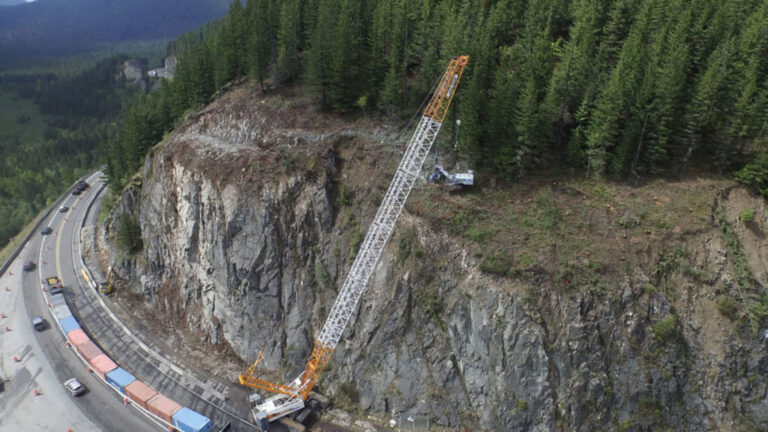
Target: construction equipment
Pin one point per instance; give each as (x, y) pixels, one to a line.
(441, 175)
(290, 398)
(107, 287)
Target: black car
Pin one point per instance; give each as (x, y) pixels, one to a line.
(29, 266)
(46, 231)
(77, 192)
(81, 186)
(63, 209)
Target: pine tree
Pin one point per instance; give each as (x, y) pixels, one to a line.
(234, 42)
(288, 40)
(260, 38)
(704, 122)
(345, 67)
(318, 75)
(576, 68)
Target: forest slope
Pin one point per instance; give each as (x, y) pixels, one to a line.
(622, 89)
(59, 28)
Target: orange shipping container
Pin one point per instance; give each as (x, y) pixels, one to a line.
(89, 350)
(163, 407)
(103, 364)
(140, 393)
(77, 337)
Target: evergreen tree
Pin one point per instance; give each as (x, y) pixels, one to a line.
(260, 38)
(575, 70)
(319, 75)
(704, 122)
(345, 68)
(288, 40)
(234, 42)
(616, 87)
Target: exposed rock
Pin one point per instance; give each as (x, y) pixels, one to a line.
(247, 237)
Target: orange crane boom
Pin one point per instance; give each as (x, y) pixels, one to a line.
(290, 398)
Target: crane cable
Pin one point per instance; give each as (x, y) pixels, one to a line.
(420, 110)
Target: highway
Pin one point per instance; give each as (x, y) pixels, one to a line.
(45, 361)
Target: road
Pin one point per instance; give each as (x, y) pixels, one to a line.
(224, 403)
(45, 361)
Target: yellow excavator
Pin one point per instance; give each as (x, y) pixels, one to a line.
(107, 287)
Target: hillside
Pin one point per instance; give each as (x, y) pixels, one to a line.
(629, 90)
(553, 304)
(58, 28)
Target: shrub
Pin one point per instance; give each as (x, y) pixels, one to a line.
(498, 264)
(322, 276)
(405, 244)
(345, 197)
(521, 406)
(433, 304)
(477, 234)
(356, 238)
(129, 234)
(726, 306)
(747, 215)
(666, 329)
(697, 274)
(755, 175)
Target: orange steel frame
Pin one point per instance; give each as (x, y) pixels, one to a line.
(321, 354)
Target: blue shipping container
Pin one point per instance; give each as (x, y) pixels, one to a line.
(69, 324)
(119, 378)
(189, 421)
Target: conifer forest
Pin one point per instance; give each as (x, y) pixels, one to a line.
(615, 89)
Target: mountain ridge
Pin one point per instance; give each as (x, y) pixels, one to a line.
(66, 27)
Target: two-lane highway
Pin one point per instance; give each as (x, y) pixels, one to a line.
(45, 361)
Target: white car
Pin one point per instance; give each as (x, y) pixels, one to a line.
(74, 387)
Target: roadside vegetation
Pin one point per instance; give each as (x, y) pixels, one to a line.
(50, 128)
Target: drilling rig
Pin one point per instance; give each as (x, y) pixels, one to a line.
(291, 397)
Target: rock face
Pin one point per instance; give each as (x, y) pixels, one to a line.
(249, 228)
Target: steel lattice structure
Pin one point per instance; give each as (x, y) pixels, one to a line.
(291, 397)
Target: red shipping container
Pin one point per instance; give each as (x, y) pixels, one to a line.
(163, 407)
(77, 337)
(140, 393)
(89, 350)
(103, 364)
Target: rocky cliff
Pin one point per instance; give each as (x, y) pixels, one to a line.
(560, 306)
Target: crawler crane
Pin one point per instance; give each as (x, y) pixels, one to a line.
(290, 397)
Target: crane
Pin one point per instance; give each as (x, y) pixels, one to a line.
(440, 174)
(290, 397)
